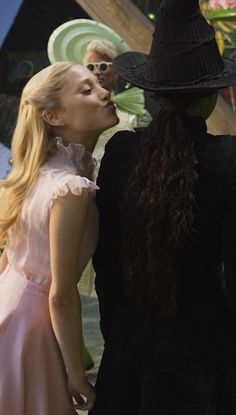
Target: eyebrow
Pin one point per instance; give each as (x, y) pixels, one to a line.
(85, 80)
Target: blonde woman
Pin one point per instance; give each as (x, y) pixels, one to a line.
(48, 227)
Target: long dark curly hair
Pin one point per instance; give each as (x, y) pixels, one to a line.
(158, 212)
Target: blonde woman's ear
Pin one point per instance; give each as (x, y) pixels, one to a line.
(53, 118)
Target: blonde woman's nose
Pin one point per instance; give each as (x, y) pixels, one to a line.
(104, 93)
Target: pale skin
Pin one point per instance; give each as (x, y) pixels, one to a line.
(86, 111)
(67, 223)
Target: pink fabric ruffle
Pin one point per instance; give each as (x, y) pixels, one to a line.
(75, 184)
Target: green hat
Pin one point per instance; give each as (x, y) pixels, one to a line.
(69, 41)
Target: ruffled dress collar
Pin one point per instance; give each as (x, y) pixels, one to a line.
(78, 156)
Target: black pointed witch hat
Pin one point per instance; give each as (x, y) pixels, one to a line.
(184, 54)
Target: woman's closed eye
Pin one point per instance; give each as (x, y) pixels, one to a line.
(87, 91)
(90, 87)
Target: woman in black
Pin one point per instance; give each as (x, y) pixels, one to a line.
(166, 257)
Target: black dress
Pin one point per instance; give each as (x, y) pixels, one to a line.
(186, 364)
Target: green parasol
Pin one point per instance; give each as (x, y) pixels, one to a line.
(69, 41)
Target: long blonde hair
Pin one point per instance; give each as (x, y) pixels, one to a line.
(31, 140)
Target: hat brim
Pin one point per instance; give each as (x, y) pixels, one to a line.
(69, 41)
(131, 67)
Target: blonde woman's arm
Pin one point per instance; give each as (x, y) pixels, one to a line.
(67, 222)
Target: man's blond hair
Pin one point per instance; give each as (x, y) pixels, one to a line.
(103, 47)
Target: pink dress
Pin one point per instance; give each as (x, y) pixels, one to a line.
(32, 372)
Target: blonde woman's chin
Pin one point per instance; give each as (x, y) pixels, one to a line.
(113, 120)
